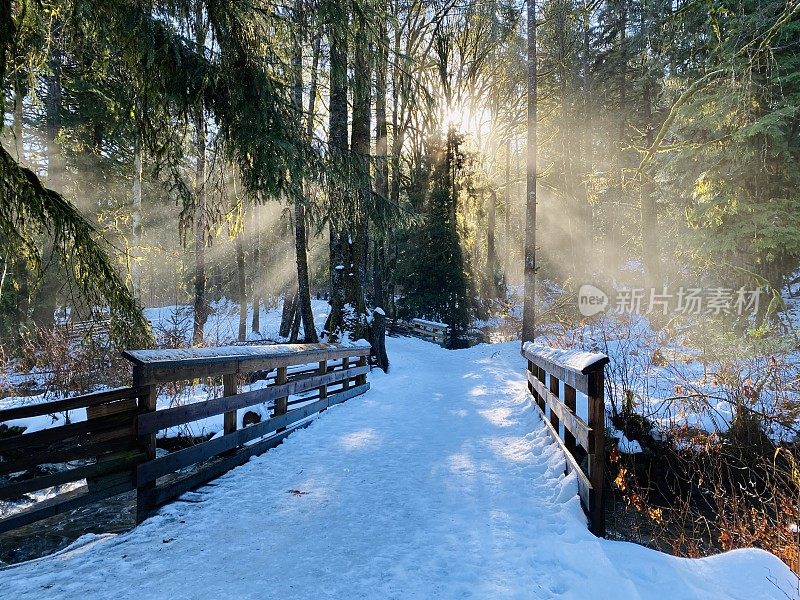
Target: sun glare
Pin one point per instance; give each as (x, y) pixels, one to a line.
(464, 119)
(457, 116)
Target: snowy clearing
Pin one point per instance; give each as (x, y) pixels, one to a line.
(439, 482)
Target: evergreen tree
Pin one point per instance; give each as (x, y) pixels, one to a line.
(437, 285)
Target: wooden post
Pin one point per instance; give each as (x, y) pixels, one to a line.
(147, 403)
(597, 420)
(128, 406)
(229, 388)
(533, 371)
(361, 379)
(323, 369)
(541, 375)
(345, 366)
(280, 403)
(569, 400)
(553, 416)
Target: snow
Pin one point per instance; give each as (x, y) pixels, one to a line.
(575, 360)
(222, 326)
(439, 482)
(679, 385)
(627, 446)
(226, 353)
(430, 323)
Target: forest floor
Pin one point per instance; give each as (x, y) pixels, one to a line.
(439, 482)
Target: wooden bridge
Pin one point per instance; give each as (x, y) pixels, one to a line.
(116, 442)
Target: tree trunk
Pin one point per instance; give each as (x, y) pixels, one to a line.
(296, 318)
(361, 137)
(304, 309)
(242, 280)
(19, 95)
(20, 270)
(290, 287)
(287, 315)
(623, 68)
(255, 282)
(491, 250)
(46, 297)
(382, 165)
(136, 220)
(528, 312)
(347, 229)
(649, 214)
(378, 340)
(200, 306)
(566, 139)
(507, 223)
(587, 226)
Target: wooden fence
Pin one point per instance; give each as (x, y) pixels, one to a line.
(554, 379)
(116, 443)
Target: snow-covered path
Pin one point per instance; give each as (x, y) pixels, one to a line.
(440, 482)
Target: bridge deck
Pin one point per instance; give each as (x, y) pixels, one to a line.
(440, 482)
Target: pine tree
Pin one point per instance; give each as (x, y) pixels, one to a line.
(437, 285)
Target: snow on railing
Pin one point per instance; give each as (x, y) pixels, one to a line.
(555, 377)
(114, 448)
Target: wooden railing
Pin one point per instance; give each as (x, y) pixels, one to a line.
(116, 443)
(554, 379)
(104, 445)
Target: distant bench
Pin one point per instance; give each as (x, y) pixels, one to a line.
(432, 331)
(77, 331)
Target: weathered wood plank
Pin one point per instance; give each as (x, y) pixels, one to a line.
(179, 415)
(597, 421)
(361, 379)
(572, 422)
(345, 367)
(572, 377)
(89, 450)
(167, 492)
(159, 467)
(323, 369)
(591, 361)
(158, 371)
(57, 406)
(280, 403)
(114, 463)
(229, 388)
(554, 413)
(52, 435)
(569, 401)
(147, 441)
